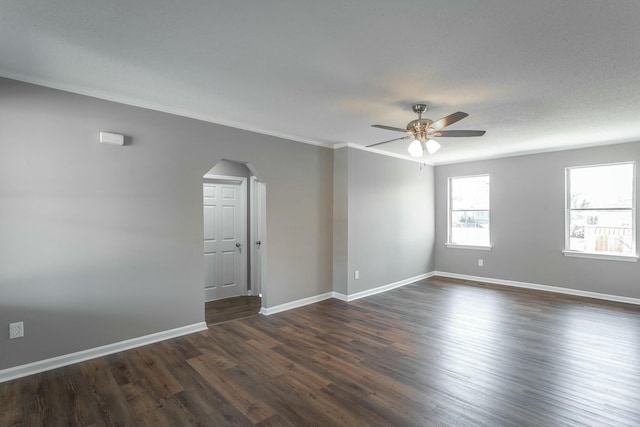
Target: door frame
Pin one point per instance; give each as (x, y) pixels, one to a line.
(257, 235)
(242, 181)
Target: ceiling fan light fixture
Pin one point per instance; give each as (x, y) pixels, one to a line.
(415, 148)
(421, 130)
(432, 146)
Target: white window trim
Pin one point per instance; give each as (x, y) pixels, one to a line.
(448, 243)
(478, 248)
(567, 214)
(601, 255)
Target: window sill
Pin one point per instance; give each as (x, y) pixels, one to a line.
(627, 258)
(478, 248)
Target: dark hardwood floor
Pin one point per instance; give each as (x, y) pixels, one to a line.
(433, 353)
(228, 309)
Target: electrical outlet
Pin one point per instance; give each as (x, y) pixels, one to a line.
(480, 262)
(16, 330)
(356, 274)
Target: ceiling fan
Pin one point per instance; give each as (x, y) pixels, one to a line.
(424, 130)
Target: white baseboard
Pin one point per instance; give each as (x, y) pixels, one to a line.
(546, 288)
(295, 304)
(80, 356)
(384, 288)
(341, 297)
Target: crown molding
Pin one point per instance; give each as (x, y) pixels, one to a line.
(134, 102)
(537, 151)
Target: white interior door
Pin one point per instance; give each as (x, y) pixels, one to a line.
(224, 238)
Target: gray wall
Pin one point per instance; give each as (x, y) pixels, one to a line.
(390, 220)
(102, 243)
(527, 224)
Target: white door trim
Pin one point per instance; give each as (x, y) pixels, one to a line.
(225, 179)
(257, 241)
(252, 237)
(261, 220)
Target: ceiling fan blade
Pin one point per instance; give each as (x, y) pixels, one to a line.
(391, 140)
(457, 133)
(389, 128)
(449, 120)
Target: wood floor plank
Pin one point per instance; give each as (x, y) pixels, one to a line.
(252, 406)
(10, 404)
(228, 309)
(439, 352)
(200, 394)
(146, 368)
(111, 406)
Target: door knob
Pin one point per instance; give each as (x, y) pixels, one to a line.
(238, 245)
(258, 243)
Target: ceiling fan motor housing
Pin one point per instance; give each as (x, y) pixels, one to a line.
(419, 125)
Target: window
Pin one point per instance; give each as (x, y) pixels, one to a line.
(600, 210)
(469, 211)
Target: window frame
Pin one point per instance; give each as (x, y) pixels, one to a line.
(633, 256)
(450, 211)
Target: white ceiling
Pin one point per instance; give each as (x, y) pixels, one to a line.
(536, 75)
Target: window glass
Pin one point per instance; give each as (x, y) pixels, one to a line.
(469, 210)
(470, 193)
(608, 186)
(600, 209)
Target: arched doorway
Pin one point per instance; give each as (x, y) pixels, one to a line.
(234, 223)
